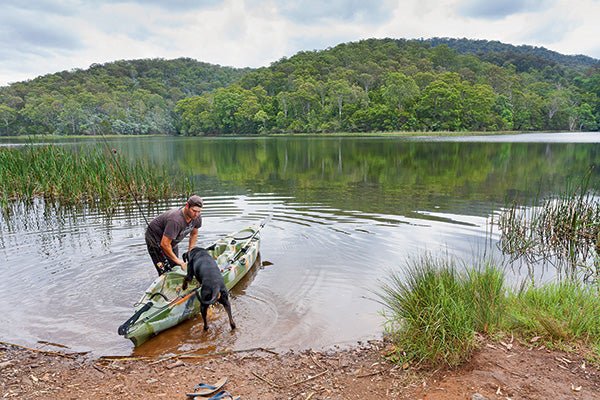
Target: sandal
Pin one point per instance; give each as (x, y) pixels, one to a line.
(204, 389)
(222, 395)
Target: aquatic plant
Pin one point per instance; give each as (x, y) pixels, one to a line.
(564, 231)
(71, 176)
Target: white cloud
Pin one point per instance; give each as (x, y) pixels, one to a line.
(500, 9)
(56, 35)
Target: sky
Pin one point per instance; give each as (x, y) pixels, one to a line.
(39, 37)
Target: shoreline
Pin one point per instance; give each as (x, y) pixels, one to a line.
(299, 134)
(496, 371)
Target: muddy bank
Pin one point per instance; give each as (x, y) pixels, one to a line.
(497, 371)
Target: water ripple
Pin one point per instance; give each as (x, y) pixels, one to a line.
(84, 270)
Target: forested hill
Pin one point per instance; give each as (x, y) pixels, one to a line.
(126, 97)
(523, 57)
(370, 85)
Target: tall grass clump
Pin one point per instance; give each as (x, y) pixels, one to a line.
(433, 311)
(485, 290)
(561, 311)
(70, 177)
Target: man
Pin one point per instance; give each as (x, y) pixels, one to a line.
(168, 229)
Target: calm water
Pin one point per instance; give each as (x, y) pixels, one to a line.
(345, 212)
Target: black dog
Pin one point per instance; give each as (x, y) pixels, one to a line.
(202, 266)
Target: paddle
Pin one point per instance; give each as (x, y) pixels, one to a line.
(245, 247)
(242, 250)
(123, 328)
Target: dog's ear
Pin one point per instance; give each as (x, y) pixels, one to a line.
(186, 256)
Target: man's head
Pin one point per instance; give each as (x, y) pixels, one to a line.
(194, 206)
(195, 201)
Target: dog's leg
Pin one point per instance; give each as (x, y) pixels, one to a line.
(224, 300)
(188, 276)
(203, 310)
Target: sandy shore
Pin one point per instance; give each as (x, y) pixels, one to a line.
(497, 371)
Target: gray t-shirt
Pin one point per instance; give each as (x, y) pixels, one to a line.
(172, 224)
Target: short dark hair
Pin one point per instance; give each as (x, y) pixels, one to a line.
(195, 200)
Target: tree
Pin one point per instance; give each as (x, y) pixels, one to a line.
(440, 107)
(41, 114)
(586, 119)
(478, 107)
(340, 91)
(7, 116)
(400, 93)
(196, 115)
(527, 110)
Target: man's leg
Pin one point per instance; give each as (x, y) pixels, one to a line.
(159, 260)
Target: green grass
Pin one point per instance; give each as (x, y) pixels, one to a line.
(563, 311)
(71, 177)
(433, 312)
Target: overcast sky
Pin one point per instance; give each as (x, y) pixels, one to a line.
(46, 36)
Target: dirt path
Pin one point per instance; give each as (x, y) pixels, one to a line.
(496, 371)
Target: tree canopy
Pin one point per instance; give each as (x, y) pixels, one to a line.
(123, 97)
(365, 86)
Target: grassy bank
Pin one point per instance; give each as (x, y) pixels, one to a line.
(434, 311)
(70, 177)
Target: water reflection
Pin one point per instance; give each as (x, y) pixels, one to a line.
(344, 212)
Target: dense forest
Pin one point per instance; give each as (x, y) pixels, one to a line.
(365, 86)
(123, 97)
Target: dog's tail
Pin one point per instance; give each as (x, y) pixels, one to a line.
(213, 300)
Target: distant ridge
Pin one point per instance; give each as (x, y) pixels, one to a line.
(371, 85)
(498, 52)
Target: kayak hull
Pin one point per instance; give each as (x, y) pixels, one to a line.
(164, 304)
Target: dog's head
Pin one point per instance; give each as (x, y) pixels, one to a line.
(189, 255)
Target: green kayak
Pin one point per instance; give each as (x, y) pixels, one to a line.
(164, 304)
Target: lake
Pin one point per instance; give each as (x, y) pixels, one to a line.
(344, 212)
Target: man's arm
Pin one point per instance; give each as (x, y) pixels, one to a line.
(193, 238)
(165, 245)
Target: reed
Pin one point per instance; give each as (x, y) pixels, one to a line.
(71, 177)
(564, 231)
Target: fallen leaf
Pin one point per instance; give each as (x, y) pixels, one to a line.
(535, 339)
(507, 345)
(575, 388)
(176, 364)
